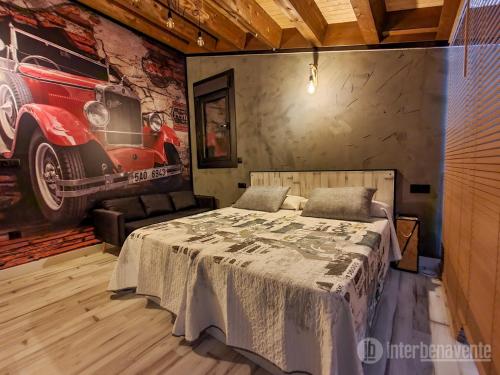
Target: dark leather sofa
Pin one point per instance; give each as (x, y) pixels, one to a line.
(119, 217)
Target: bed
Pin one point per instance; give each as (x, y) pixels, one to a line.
(293, 293)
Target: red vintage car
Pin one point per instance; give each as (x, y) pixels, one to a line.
(80, 132)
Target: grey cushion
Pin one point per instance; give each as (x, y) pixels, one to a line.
(262, 198)
(346, 203)
(131, 207)
(183, 199)
(156, 204)
(133, 225)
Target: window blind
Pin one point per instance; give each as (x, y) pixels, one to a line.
(471, 213)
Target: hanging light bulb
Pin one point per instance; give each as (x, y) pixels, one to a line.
(170, 20)
(313, 79)
(311, 89)
(200, 40)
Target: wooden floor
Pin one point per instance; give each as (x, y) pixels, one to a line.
(61, 320)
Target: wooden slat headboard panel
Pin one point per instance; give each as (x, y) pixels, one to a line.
(302, 183)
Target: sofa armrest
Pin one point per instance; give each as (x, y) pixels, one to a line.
(109, 226)
(206, 201)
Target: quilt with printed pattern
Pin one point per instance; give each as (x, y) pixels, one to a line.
(297, 291)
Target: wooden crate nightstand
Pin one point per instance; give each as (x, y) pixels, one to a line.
(408, 228)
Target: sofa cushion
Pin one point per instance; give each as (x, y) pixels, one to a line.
(156, 204)
(131, 207)
(133, 225)
(183, 199)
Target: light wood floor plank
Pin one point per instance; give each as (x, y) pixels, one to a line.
(61, 320)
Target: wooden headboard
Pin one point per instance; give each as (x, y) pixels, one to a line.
(302, 183)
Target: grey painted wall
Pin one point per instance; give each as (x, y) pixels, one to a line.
(372, 109)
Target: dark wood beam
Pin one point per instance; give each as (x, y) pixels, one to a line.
(148, 18)
(409, 38)
(412, 21)
(156, 13)
(343, 34)
(370, 15)
(292, 38)
(447, 19)
(307, 18)
(336, 35)
(252, 18)
(211, 20)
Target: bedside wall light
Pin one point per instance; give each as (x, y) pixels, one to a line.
(313, 79)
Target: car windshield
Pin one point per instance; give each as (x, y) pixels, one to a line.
(32, 50)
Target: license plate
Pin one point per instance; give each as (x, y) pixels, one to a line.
(151, 174)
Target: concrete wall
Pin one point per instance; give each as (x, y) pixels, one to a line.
(372, 109)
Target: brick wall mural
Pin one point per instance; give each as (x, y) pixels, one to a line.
(88, 110)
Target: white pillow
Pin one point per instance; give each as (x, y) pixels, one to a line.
(293, 202)
(380, 209)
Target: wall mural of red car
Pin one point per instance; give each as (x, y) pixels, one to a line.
(78, 126)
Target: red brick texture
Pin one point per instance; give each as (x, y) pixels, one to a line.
(23, 250)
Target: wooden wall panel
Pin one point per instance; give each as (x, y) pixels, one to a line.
(302, 183)
(471, 213)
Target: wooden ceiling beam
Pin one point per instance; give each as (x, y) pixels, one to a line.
(336, 35)
(412, 21)
(409, 38)
(147, 18)
(249, 15)
(447, 18)
(307, 18)
(211, 20)
(343, 34)
(156, 13)
(120, 14)
(370, 15)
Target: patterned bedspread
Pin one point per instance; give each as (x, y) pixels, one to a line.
(298, 291)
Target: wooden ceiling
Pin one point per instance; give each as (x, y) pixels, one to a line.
(249, 25)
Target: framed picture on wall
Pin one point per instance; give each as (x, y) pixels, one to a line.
(216, 121)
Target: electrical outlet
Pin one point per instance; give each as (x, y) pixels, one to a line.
(420, 189)
(242, 185)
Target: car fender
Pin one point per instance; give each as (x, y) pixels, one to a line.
(168, 135)
(157, 141)
(59, 126)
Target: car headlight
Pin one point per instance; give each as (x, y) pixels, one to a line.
(155, 122)
(96, 113)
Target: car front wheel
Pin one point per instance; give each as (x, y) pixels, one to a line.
(47, 164)
(13, 95)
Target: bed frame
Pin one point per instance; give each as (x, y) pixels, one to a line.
(303, 182)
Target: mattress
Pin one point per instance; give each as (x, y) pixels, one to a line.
(297, 291)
